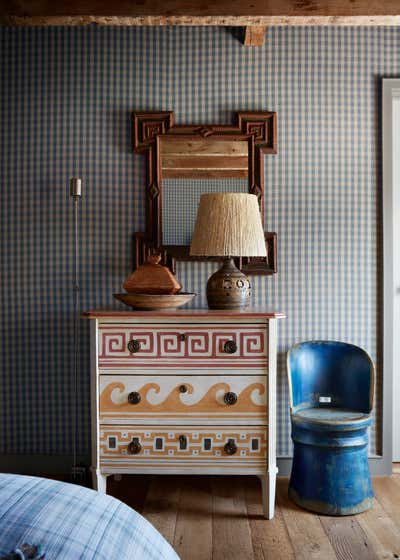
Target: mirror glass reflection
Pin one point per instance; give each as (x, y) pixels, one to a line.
(181, 199)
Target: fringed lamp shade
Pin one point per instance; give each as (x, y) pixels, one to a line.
(228, 225)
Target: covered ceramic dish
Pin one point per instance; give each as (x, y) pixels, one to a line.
(152, 278)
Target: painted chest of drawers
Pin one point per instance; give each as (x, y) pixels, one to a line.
(184, 392)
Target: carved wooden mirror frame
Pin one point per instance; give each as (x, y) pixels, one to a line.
(150, 127)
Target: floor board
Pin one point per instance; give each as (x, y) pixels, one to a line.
(130, 489)
(193, 533)
(348, 538)
(309, 540)
(270, 538)
(161, 505)
(382, 531)
(231, 527)
(220, 518)
(387, 492)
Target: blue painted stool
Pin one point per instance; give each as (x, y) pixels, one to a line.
(331, 393)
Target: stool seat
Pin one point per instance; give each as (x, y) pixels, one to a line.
(335, 417)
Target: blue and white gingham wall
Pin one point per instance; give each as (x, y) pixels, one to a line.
(66, 101)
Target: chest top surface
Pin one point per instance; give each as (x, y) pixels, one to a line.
(204, 314)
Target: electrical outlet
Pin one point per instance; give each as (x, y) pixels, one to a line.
(78, 475)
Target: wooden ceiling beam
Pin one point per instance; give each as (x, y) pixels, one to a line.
(229, 21)
(245, 13)
(254, 36)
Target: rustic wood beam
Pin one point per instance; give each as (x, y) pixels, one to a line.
(256, 13)
(231, 21)
(254, 36)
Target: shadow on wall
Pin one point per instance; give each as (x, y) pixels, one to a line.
(42, 376)
(236, 32)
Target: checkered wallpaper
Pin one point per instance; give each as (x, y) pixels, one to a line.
(66, 101)
(181, 197)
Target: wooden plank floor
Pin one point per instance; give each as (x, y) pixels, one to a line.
(220, 518)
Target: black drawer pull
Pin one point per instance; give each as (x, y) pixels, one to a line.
(183, 388)
(230, 447)
(230, 398)
(182, 337)
(134, 398)
(230, 347)
(182, 442)
(133, 346)
(134, 447)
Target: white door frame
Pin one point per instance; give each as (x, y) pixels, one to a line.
(391, 267)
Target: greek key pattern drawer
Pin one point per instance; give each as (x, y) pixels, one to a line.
(186, 399)
(182, 346)
(125, 446)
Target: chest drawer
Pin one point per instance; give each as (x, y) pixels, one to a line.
(170, 445)
(229, 346)
(183, 398)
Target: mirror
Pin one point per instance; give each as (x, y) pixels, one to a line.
(190, 167)
(185, 161)
(181, 198)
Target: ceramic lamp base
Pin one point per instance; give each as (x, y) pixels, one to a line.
(228, 288)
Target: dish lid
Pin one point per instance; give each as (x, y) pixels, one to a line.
(152, 278)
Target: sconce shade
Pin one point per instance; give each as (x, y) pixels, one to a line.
(228, 225)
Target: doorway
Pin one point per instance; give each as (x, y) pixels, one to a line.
(391, 266)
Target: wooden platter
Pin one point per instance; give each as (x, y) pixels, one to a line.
(152, 302)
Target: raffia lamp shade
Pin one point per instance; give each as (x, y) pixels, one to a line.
(228, 225)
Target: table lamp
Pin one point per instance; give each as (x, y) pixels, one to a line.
(228, 225)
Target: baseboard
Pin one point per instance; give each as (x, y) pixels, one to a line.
(62, 464)
(39, 464)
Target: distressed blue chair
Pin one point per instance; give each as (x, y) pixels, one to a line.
(331, 394)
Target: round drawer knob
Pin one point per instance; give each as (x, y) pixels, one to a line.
(134, 398)
(134, 447)
(183, 388)
(230, 398)
(230, 347)
(182, 337)
(133, 346)
(230, 447)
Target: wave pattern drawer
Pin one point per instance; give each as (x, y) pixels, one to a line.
(228, 346)
(183, 398)
(126, 446)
